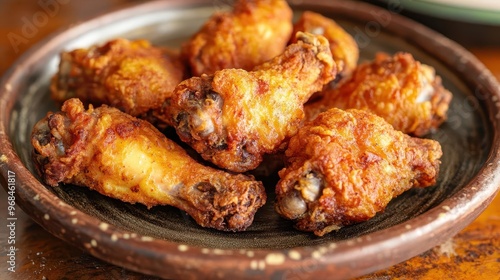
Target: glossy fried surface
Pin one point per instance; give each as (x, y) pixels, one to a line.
(345, 166)
(133, 76)
(126, 158)
(253, 32)
(234, 117)
(344, 48)
(404, 92)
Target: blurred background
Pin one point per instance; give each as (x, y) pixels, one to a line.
(473, 23)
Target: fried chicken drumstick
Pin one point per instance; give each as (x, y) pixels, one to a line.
(344, 48)
(126, 158)
(404, 92)
(133, 76)
(234, 117)
(252, 33)
(345, 166)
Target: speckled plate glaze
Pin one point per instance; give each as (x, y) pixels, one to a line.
(165, 242)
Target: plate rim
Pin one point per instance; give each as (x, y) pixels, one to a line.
(336, 257)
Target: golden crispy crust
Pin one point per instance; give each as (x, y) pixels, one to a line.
(344, 48)
(345, 166)
(397, 88)
(234, 117)
(253, 32)
(133, 76)
(128, 159)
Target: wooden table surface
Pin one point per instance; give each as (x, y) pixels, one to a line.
(474, 253)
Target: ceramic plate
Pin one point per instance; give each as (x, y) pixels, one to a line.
(165, 242)
(478, 11)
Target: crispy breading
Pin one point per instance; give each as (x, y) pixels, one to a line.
(344, 48)
(133, 76)
(407, 94)
(234, 117)
(346, 166)
(127, 158)
(253, 32)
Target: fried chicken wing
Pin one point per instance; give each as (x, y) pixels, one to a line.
(398, 88)
(133, 76)
(234, 117)
(126, 158)
(344, 48)
(345, 166)
(252, 33)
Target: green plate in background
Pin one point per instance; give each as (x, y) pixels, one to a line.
(480, 12)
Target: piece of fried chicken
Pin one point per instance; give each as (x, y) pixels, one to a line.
(133, 76)
(344, 48)
(127, 158)
(250, 34)
(234, 117)
(345, 166)
(407, 94)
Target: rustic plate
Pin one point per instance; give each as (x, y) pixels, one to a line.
(167, 243)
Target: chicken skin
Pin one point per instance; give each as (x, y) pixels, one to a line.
(233, 117)
(404, 92)
(253, 32)
(133, 76)
(345, 166)
(128, 159)
(344, 48)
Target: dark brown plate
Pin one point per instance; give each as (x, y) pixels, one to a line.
(167, 243)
